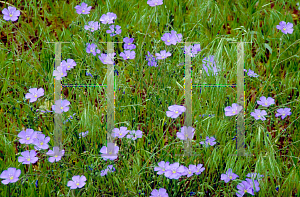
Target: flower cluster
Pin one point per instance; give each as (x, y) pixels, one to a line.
(127, 54)
(61, 71)
(151, 60)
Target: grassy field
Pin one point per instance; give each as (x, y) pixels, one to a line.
(143, 94)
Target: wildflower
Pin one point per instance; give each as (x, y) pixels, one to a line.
(173, 171)
(135, 134)
(56, 154)
(153, 3)
(92, 26)
(28, 157)
(234, 110)
(245, 70)
(254, 184)
(163, 55)
(162, 167)
(244, 187)
(27, 137)
(151, 60)
(162, 192)
(83, 8)
(283, 112)
(10, 14)
(129, 44)
(285, 28)
(195, 49)
(209, 141)
(64, 106)
(120, 133)
(77, 182)
(83, 134)
(88, 74)
(189, 171)
(175, 111)
(207, 63)
(107, 59)
(168, 39)
(111, 168)
(108, 18)
(60, 72)
(186, 133)
(41, 142)
(69, 64)
(128, 54)
(200, 169)
(103, 150)
(112, 30)
(178, 37)
(91, 48)
(34, 94)
(251, 73)
(266, 102)
(259, 114)
(228, 176)
(11, 175)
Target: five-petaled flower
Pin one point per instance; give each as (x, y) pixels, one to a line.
(190, 170)
(55, 154)
(108, 18)
(129, 44)
(259, 114)
(107, 59)
(244, 187)
(28, 157)
(162, 167)
(210, 63)
(233, 110)
(162, 55)
(285, 28)
(112, 30)
(161, 192)
(61, 71)
(83, 8)
(92, 26)
(210, 141)
(27, 137)
(175, 111)
(120, 133)
(34, 94)
(228, 176)
(153, 3)
(283, 112)
(251, 73)
(173, 171)
(91, 48)
(41, 142)
(69, 64)
(10, 13)
(127, 54)
(135, 134)
(186, 132)
(195, 49)
(105, 153)
(63, 104)
(77, 182)
(11, 175)
(266, 102)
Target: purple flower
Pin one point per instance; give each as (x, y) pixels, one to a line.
(234, 110)
(162, 192)
(228, 176)
(173, 171)
(129, 44)
(55, 154)
(285, 28)
(195, 49)
(186, 133)
(153, 3)
(78, 182)
(245, 70)
(135, 134)
(190, 171)
(41, 142)
(175, 111)
(83, 9)
(128, 54)
(88, 74)
(200, 169)
(69, 64)
(209, 141)
(93, 26)
(112, 30)
(120, 133)
(208, 63)
(259, 114)
(244, 187)
(283, 112)
(83, 134)
(266, 102)
(255, 175)
(251, 73)
(162, 167)
(27, 137)
(107, 59)
(91, 48)
(103, 150)
(63, 106)
(10, 14)
(168, 39)
(254, 184)
(108, 18)
(178, 37)
(28, 157)
(60, 72)
(110, 168)
(11, 175)
(34, 94)
(151, 60)
(163, 55)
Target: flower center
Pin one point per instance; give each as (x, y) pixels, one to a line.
(266, 103)
(176, 112)
(41, 143)
(104, 60)
(283, 114)
(61, 108)
(163, 56)
(83, 11)
(77, 183)
(110, 152)
(163, 170)
(92, 28)
(168, 40)
(55, 156)
(10, 15)
(28, 159)
(208, 143)
(186, 135)
(28, 138)
(174, 171)
(35, 96)
(127, 57)
(120, 134)
(68, 66)
(62, 74)
(284, 29)
(92, 50)
(155, 3)
(233, 112)
(245, 190)
(230, 177)
(11, 178)
(190, 172)
(259, 116)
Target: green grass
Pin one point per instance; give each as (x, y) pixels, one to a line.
(28, 62)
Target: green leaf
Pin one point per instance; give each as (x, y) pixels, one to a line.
(268, 47)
